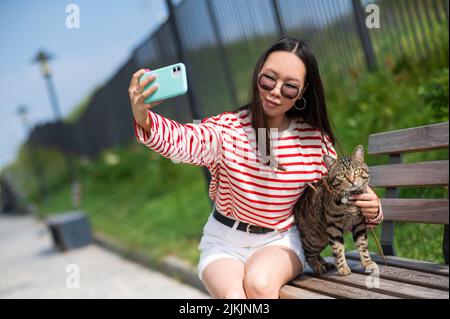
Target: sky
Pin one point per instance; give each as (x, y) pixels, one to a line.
(84, 57)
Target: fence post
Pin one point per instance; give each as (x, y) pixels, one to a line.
(193, 100)
(364, 35)
(223, 54)
(278, 20)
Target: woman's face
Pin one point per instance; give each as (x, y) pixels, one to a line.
(285, 67)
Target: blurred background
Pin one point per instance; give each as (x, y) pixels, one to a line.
(67, 139)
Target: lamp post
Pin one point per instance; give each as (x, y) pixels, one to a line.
(22, 111)
(42, 58)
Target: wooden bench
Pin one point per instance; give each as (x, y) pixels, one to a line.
(401, 277)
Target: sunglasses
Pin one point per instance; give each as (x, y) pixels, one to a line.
(268, 83)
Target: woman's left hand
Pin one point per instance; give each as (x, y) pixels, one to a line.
(368, 202)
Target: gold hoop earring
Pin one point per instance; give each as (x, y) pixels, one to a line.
(303, 107)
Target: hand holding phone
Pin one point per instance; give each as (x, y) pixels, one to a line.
(171, 81)
(149, 88)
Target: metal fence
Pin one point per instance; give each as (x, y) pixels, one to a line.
(220, 41)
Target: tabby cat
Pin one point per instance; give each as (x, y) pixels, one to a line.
(324, 212)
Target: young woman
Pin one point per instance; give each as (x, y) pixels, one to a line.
(260, 157)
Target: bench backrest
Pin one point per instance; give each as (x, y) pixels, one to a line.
(398, 174)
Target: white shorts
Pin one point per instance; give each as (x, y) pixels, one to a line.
(220, 241)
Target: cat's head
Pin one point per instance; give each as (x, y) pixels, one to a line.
(347, 174)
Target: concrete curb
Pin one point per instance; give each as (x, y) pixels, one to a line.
(170, 265)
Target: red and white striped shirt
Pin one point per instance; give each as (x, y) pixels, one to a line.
(242, 187)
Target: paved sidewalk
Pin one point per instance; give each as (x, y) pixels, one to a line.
(31, 268)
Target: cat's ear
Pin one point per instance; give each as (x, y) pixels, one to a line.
(358, 153)
(329, 161)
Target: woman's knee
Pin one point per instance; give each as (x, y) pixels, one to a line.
(226, 292)
(259, 285)
(223, 278)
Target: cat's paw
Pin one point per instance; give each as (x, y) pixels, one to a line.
(371, 266)
(319, 268)
(344, 270)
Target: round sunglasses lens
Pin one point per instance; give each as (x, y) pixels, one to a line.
(266, 82)
(289, 92)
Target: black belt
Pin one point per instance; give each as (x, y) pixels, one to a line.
(249, 228)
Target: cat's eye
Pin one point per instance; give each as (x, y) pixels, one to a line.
(357, 171)
(342, 175)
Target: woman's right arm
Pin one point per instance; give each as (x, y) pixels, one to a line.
(198, 144)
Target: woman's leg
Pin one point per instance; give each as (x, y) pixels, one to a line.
(224, 278)
(268, 269)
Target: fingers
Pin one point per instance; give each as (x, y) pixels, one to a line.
(140, 98)
(141, 86)
(364, 197)
(366, 204)
(135, 79)
(369, 208)
(370, 212)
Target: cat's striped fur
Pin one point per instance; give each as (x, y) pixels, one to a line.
(324, 212)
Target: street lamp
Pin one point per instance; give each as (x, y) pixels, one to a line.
(42, 58)
(22, 111)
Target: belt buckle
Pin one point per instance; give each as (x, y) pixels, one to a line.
(247, 229)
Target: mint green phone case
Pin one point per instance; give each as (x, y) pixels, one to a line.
(171, 79)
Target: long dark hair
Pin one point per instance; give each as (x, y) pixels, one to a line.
(315, 112)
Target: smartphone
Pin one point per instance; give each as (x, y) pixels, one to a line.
(171, 79)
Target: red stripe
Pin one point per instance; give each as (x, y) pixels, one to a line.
(158, 144)
(235, 201)
(267, 170)
(300, 155)
(163, 125)
(301, 163)
(229, 182)
(266, 178)
(309, 129)
(260, 201)
(297, 146)
(169, 150)
(258, 185)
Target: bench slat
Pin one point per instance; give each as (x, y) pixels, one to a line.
(336, 290)
(291, 292)
(431, 211)
(386, 286)
(433, 173)
(428, 137)
(405, 275)
(401, 262)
